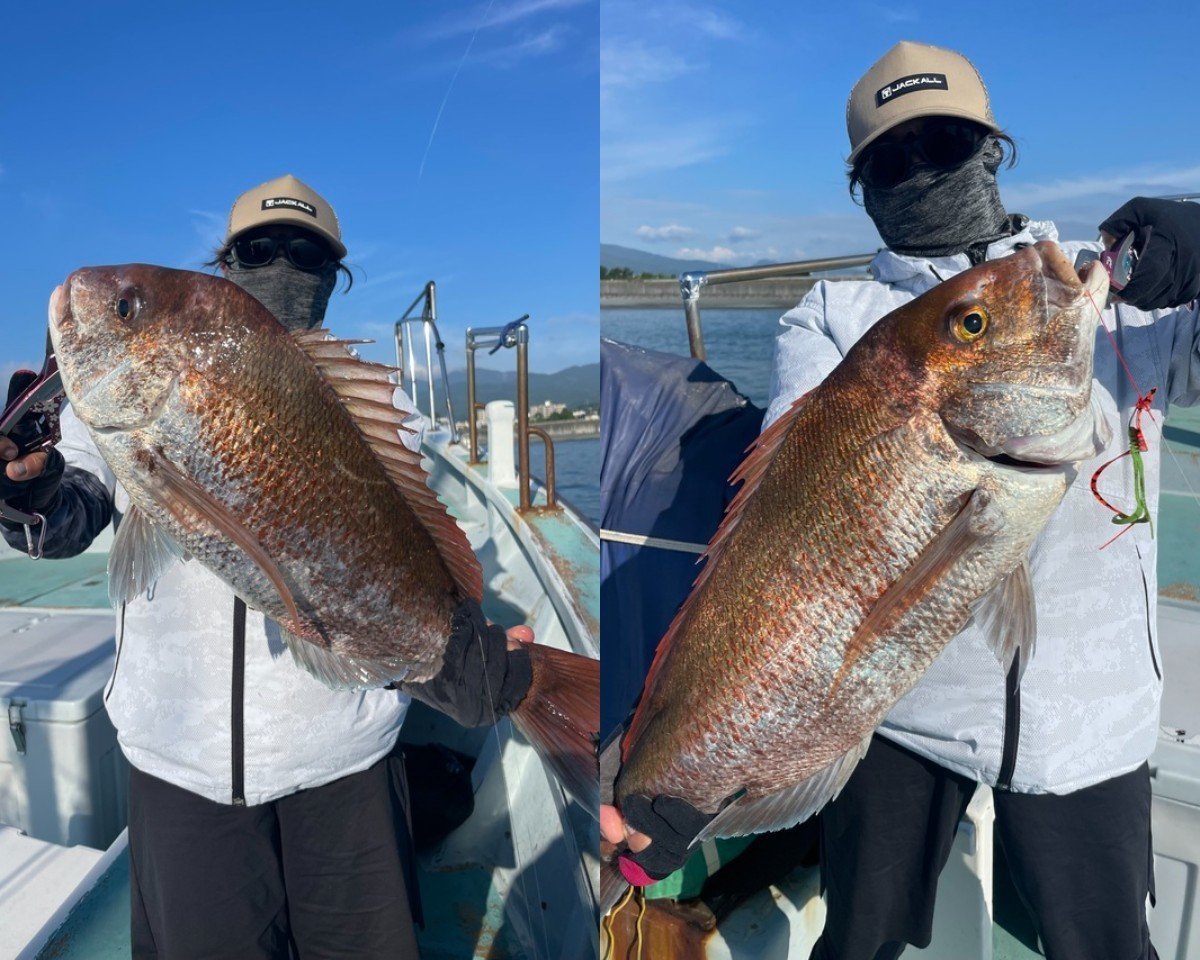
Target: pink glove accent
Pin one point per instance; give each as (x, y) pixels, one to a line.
(634, 874)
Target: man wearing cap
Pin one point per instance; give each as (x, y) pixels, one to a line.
(262, 809)
(1065, 750)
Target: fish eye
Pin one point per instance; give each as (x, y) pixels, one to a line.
(127, 305)
(971, 324)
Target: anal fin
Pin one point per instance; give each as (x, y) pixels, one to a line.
(788, 807)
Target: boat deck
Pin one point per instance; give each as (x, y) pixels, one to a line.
(476, 902)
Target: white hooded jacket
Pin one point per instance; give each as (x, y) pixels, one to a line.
(1087, 709)
(172, 692)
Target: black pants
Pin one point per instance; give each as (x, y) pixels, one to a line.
(1082, 862)
(317, 874)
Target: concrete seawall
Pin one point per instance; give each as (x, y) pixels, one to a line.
(559, 430)
(782, 292)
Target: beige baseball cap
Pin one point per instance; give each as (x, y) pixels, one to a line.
(286, 200)
(914, 80)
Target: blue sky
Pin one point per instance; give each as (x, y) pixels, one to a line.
(723, 124)
(127, 130)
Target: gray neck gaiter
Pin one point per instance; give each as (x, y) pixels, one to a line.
(937, 213)
(297, 298)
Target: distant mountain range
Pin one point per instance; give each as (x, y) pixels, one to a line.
(641, 261)
(577, 387)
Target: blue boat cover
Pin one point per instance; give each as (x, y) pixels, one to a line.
(673, 430)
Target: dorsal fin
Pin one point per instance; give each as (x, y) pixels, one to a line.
(749, 473)
(367, 395)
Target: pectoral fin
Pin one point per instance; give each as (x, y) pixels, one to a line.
(141, 553)
(954, 540)
(187, 501)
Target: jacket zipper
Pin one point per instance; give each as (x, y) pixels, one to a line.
(1012, 728)
(1149, 631)
(237, 704)
(112, 681)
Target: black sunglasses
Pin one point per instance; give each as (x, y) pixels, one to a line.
(304, 253)
(944, 146)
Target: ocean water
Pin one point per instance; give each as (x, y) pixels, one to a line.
(740, 343)
(576, 472)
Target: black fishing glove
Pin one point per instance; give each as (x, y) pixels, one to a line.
(671, 824)
(42, 493)
(481, 679)
(1167, 273)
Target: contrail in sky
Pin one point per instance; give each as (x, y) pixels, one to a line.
(438, 118)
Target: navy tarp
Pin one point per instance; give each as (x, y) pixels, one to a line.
(672, 431)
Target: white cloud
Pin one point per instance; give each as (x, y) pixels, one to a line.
(633, 63)
(672, 231)
(713, 23)
(1125, 184)
(672, 149)
(892, 13)
(740, 234)
(529, 45)
(500, 14)
(642, 51)
(718, 253)
(382, 279)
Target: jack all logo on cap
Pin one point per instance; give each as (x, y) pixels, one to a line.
(272, 203)
(910, 84)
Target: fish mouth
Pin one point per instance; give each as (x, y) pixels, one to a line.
(1008, 462)
(1004, 460)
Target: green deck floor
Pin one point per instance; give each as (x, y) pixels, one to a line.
(78, 583)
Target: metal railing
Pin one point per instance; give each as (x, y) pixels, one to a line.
(427, 300)
(515, 334)
(691, 284)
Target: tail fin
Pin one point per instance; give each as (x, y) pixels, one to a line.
(560, 716)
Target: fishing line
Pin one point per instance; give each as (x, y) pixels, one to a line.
(438, 118)
(606, 924)
(512, 826)
(1137, 445)
(1162, 433)
(637, 927)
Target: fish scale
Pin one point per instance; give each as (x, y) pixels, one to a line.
(405, 559)
(836, 553)
(276, 461)
(866, 532)
(244, 386)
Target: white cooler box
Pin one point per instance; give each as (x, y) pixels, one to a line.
(62, 776)
(1175, 782)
